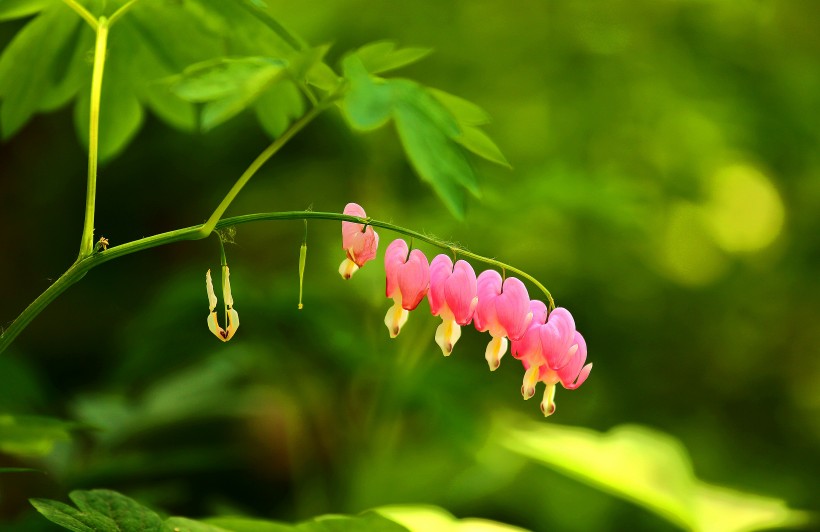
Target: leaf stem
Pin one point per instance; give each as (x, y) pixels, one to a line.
(87, 241)
(120, 12)
(83, 12)
(261, 159)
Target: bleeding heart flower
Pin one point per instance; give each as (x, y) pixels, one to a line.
(358, 240)
(504, 310)
(408, 278)
(552, 352)
(231, 316)
(452, 296)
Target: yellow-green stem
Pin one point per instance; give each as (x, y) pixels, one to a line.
(87, 241)
(83, 12)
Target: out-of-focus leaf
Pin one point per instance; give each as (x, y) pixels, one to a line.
(10, 9)
(383, 56)
(434, 156)
(421, 518)
(481, 144)
(69, 517)
(29, 64)
(31, 435)
(22, 389)
(650, 469)
(223, 77)
(183, 524)
(245, 524)
(368, 102)
(120, 118)
(465, 111)
(125, 512)
(278, 106)
(367, 522)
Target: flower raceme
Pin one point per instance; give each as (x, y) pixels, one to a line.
(358, 240)
(552, 351)
(407, 281)
(503, 309)
(231, 316)
(452, 297)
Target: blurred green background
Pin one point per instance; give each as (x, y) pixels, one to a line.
(665, 189)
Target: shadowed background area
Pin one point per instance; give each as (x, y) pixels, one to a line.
(664, 188)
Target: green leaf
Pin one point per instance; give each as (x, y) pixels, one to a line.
(368, 102)
(278, 106)
(68, 517)
(30, 435)
(120, 117)
(382, 56)
(465, 112)
(423, 517)
(19, 470)
(367, 522)
(482, 145)
(127, 513)
(224, 77)
(31, 63)
(11, 9)
(245, 524)
(182, 524)
(650, 469)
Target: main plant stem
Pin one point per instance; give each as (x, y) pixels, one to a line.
(78, 270)
(87, 241)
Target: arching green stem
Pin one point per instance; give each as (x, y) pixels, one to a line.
(78, 270)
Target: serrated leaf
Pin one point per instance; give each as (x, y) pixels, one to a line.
(224, 77)
(481, 144)
(69, 517)
(127, 513)
(31, 435)
(28, 63)
(383, 56)
(465, 111)
(368, 102)
(11, 9)
(278, 106)
(434, 156)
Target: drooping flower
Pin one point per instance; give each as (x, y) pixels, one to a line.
(504, 310)
(452, 296)
(408, 278)
(552, 351)
(359, 241)
(231, 316)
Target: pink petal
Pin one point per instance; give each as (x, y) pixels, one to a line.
(414, 279)
(460, 291)
(528, 347)
(394, 256)
(513, 308)
(557, 337)
(488, 287)
(440, 270)
(573, 368)
(351, 229)
(539, 313)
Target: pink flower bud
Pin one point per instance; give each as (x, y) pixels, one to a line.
(360, 242)
(407, 282)
(452, 296)
(503, 309)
